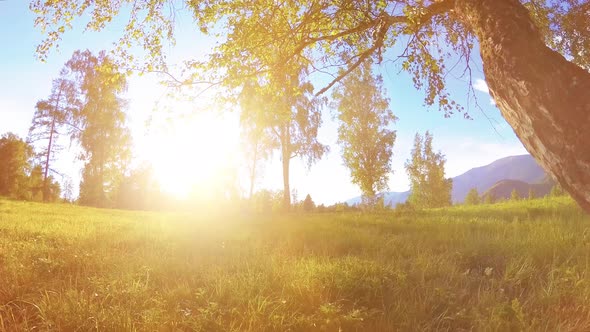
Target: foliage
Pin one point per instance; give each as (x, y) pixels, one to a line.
(472, 197)
(364, 134)
(15, 166)
(514, 195)
(139, 190)
(103, 136)
(323, 33)
(532, 194)
(556, 191)
(462, 268)
(53, 118)
(41, 188)
(489, 198)
(266, 201)
(257, 143)
(283, 114)
(431, 41)
(426, 170)
(308, 204)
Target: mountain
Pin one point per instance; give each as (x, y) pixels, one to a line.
(521, 168)
(504, 188)
(391, 198)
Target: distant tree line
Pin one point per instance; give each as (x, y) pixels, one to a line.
(85, 108)
(474, 198)
(20, 176)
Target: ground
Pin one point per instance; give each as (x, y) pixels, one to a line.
(502, 267)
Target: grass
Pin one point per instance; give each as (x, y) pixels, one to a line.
(504, 267)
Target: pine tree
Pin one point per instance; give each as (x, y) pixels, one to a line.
(514, 196)
(308, 204)
(54, 118)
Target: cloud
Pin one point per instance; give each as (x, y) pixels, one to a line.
(481, 85)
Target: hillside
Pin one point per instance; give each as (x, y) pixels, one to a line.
(503, 189)
(521, 168)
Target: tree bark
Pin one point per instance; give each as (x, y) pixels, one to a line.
(49, 145)
(544, 97)
(46, 171)
(253, 171)
(286, 159)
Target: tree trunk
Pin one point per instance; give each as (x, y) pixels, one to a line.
(49, 146)
(253, 170)
(544, 97)
(46, 172)
(286, 159)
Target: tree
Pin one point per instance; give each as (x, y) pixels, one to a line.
(514, 196)
(532, 194)
(521, 43)
(472, 197)
(15, 166)
(266, 201)
(68, 189)
(36, 184)
(489, 198)
(363, 133)
(138, 190)
(556, 191)
(426, 170)
(257, 145)
(53, 117)
(308, 204)
(287, 117)
(103, 136)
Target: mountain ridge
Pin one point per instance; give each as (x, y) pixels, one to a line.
(522, 168)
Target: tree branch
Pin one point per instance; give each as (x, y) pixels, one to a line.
(383, 23)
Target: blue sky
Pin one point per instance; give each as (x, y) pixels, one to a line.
(466, 143)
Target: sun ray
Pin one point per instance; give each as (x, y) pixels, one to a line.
(189, 154)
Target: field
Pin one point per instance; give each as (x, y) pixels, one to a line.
(510, 266)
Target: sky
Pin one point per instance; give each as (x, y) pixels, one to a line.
(24, 80)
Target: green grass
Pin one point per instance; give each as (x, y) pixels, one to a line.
(510, 266)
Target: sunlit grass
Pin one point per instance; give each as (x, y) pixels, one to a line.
(511, 266)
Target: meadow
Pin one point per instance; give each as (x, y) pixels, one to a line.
(512, 266)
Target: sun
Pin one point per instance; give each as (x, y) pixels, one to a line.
(189, 154)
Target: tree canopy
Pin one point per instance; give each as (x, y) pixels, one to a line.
(426, 170)
(472, 197)
(103, 135)
(15, 166)
(364, 131)
(521, 44)
(54, 117)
